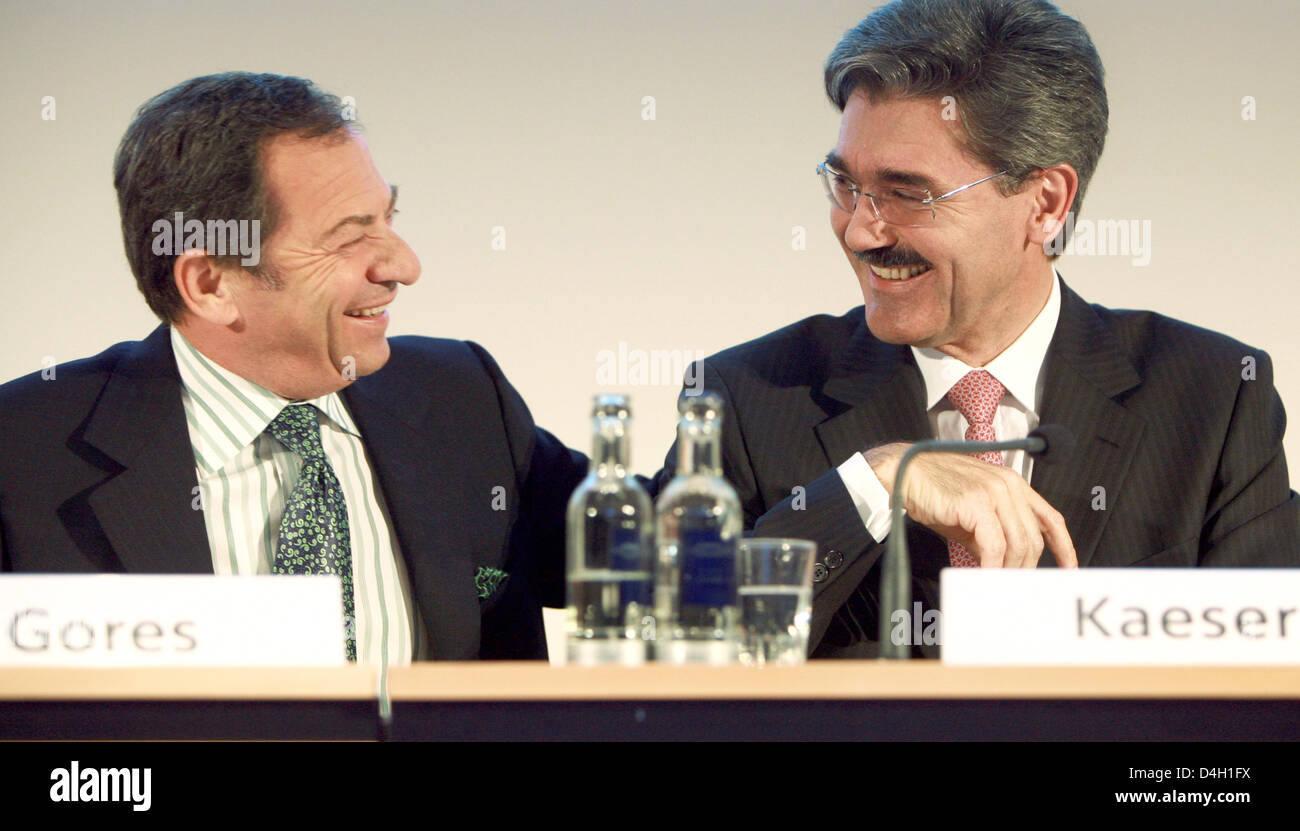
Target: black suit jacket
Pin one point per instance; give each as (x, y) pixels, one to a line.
(1178, 460)
(97, 475)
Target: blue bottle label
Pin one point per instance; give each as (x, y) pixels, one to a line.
(708, 569)
(628, 554)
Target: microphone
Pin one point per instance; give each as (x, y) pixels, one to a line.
(1054, 443)
(1050, 443)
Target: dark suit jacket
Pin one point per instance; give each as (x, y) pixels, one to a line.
(97, 475)
(1178, 460)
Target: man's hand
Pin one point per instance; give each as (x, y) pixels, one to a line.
(989, 509)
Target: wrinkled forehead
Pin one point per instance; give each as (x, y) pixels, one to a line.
(310, 180)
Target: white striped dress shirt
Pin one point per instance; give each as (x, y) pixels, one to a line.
(246, 476)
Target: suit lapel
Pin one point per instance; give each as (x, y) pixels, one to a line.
(1086, 369)
(876, 395)
(414, 474)
(147, 509)
(873, 394)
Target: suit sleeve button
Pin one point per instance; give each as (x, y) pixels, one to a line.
(834, 559)
(820, 573)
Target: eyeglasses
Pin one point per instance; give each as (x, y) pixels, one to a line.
(905, 207)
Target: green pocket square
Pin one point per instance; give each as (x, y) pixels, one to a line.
(488, 580)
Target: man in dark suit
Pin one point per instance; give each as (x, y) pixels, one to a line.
(958, 161)
(269, 426)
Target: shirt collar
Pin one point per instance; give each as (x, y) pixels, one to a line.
(1018, 367)
(225, 412)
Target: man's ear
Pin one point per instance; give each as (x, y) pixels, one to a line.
(207, 288)
(1054, 190)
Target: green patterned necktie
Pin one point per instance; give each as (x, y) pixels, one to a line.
(314, 536)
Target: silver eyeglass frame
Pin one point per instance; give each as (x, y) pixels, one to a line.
(825, 171)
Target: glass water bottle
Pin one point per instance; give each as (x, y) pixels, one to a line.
(610, 549)
(699, 528)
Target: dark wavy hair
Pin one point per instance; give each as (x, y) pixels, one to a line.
(196, 148)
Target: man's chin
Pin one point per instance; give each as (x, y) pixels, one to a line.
(888, 329)
(363, 362)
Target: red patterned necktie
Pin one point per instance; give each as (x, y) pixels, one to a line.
(976, 397)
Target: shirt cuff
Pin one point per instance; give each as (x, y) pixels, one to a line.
(868, 494)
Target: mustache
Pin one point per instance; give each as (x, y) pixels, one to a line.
(892, 257)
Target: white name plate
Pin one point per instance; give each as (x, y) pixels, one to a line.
(1120, 616)
(170, 620)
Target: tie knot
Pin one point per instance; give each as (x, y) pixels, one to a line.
(976, 396)
(296, 428)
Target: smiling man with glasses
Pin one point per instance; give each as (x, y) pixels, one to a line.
(958, 161)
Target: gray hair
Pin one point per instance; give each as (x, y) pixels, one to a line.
(1027, 80)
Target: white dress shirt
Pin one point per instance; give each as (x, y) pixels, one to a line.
(246, 476)
(1019, 368)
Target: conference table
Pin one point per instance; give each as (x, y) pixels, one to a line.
(821, 700)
